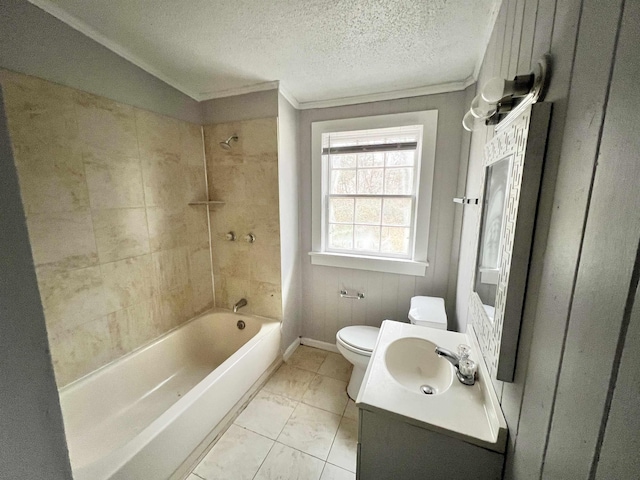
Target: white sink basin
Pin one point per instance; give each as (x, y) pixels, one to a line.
(404, 359)
(413, 363)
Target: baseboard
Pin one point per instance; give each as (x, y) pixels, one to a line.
(331, 347)
(290, 349)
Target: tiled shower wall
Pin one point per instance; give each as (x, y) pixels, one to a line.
(246, 179)
(120, 256)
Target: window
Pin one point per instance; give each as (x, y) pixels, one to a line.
(372, 181)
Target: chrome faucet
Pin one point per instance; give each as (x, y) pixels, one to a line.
(465, 368)
(241, 303)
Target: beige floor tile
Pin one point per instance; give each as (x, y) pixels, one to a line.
(327, 393)
(238, 455)
(343, 450)
(336, 366)
(331, 472)
(289, 381)
(310, 430)
(351, 412)
(284, 463)
(267, 414)
(307, 358)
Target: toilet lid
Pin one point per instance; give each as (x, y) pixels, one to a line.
(360, 337)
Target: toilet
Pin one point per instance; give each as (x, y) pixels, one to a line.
(356, 343)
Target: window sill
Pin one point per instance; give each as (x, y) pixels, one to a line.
(374, 264)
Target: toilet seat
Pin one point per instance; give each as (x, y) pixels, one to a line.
(359, 339)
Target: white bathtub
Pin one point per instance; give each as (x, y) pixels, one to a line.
(142, 416)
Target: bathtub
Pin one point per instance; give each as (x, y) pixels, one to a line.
(144, 415)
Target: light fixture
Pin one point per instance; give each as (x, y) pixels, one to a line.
(500, 99)
(480, 108)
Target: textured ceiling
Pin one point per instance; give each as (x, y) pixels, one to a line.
(318, 49)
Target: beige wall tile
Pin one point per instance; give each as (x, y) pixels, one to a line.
(266, 299)
(52, 178)
(39, 112)
(264, 261)
(63, 239)
(247, 179)
(135, 326)
(128, 282)
(200, 278)
(196, 184)
(167, 227)
(232, 259)
(265, 224)
(191, 145)
(176, 307)
(171, 269)
(106, 125)
(261, 183)
(113, 181)
(231, 289)
(230, 217)
(260, 137)
(227, 184)
(80, 350)
(158, 136)
(71, 298)
(214, 134)
(195, 218)
(165, 183)
(96, 207)
(121, 233)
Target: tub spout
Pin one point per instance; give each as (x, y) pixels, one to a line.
(241, 303)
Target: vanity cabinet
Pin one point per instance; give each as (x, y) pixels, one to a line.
(390, 448)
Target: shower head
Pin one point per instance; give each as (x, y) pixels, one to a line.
(227, 143)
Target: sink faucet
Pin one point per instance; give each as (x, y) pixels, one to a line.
(241, 303)
(465, 368)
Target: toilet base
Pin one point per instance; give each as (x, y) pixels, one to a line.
(357, 375)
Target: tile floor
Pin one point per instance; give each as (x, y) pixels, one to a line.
(301, 425)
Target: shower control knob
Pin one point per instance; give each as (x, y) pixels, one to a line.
(230, 236)
(250, 238)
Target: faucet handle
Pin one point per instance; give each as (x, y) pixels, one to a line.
(464, 351)
(467, 368)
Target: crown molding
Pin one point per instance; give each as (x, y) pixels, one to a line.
(232, 92)
(115, 47)
(391, 95)
(290, 98)
(471, 79)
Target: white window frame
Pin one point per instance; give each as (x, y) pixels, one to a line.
(418, 263)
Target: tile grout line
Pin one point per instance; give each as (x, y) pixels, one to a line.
(297, 404)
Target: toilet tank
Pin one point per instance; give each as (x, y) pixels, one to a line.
(428, 312)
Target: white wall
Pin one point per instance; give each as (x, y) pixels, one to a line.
(387, 295)
(288, 179)
(582, 277)
(38, 44)
(32, 441)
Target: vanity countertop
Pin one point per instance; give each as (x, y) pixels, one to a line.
(469, 413)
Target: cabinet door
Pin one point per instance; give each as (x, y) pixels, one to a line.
(392, 450)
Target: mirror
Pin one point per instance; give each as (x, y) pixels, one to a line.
(512, 171)
(490, 238)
